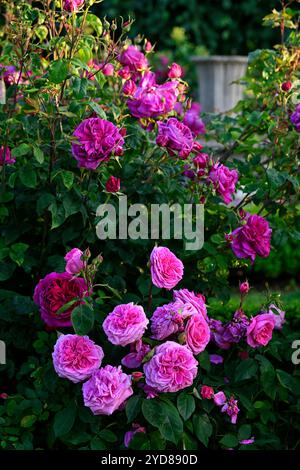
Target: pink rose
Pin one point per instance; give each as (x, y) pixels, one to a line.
(134, 59)
(113, 184)
(166, 268)
(260, 330)
(175, 71)
(197, 333)
(74, 262)
(244, 288)
(224, 181)
(207, 392)
(108, 69)
(172, 368)
(169, 319)
(175, 137)
(106, 390)
(189, 297)
(76, 357)
(72, 5)
(125, 324)
(129, 88)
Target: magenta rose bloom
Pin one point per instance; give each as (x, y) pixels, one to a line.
(189, 297)
(175, 137)
(125, 324)
(260, 330)
(129, 88)
(72, 5)
(5, 156)
(97, 140)
(74, 262)
(175, 71)
(169, 319)
(224, 181)
(134, 59)
(166, 268)
(76, 357)
(172, 368)
(197, 333)
(151, 100)
(207, 392)
(113, 184)
(251, 239)
(106, 390)
(295, 118)
(53, 292)
(193, 121)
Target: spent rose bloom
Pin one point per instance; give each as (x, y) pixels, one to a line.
(129, 434)
(175, 71)
(216, 359)
(175, 137)
(125, 324)
(172, 368)
(207, 392)
(151, 100)
(106, 390)
(53, 292)
(231, 409)
(169, 319)
(134, 59)
(260, 330)
(217, 329)
(76, 357)
(72, 5)
(220, 398)
(74, 262)
(9, 74)
(97, 140)
(113, 184)
(5, 156)
(166, 268)
(138, 351)
(224, 181)
(295, 118)
(279, 316)
(236, 329)
(197, 333)
(189, 297)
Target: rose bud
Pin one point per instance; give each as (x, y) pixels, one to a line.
(244, 288)
(286, 86)
(175, 71)
(113, 184)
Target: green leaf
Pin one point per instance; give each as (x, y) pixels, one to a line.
(164, 416)
(64, 420)
(133, 407)
(157, 441)
(28, 421)
(58, 71)
(17, 253)
(107, 435)
(98, 110)
(186, 405)
(68, 179)
(27, 176)
(244, 432)
(82, 319)
(38, 154)
(139, 441)
(94, 22)
(202, 428)
(285, 379)
(6, 270)
(21, 150)
(229, 440)
(97, 444)
(189, 443)
(245, 370)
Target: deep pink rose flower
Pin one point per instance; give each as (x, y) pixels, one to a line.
(172, 368)
(129, 434)
(201, 161)
(138, 351)
(207, 392)
(166, 268)
(169, 319)
(244, 287)
(125, 324)
(295, 118)
(5, 156)
(76, 357)
(113, 184)
(106, 390)
(151, 100)
(108, 69)
(129, 88)
(189, 297)
(197, 333)
(260, 330)
(72, 5)
(53, 292)
(97, 140)
(251, 239)
(134, 59)
(74, 262)
(175, 137)
(224, 181)
(193, 121)
(175, 71)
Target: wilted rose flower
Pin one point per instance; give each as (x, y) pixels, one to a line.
(134, 59)
(74, 262)
(279, 316)
(175, 71)
(125, 324)
(244, 287)
(53, 292)
(189, 297)
(224, 181)
(151, 100)
(97, 140)
(216, 359)
(236, 329)
(9, 74)
(5, 156)
(260, 330)
(197, 333)
(72, 5)
(138, 351)
(166, 268)
(113, 184)
(129, 434)
(295, 118)
(231, 409)
(169, 319)
(217, 330)
(193, 120)
(172, 368)
(220, 398)
(106, 390)
(175, 137)
(207, 392)
(251, 239)
(76, 357)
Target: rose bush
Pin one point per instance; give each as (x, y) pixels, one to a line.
(84, 121)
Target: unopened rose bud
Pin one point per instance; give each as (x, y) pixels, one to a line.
(148, 46)
(244, 288)
(207, 392)
(136, 376)
(286, 86)
(175, 71)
